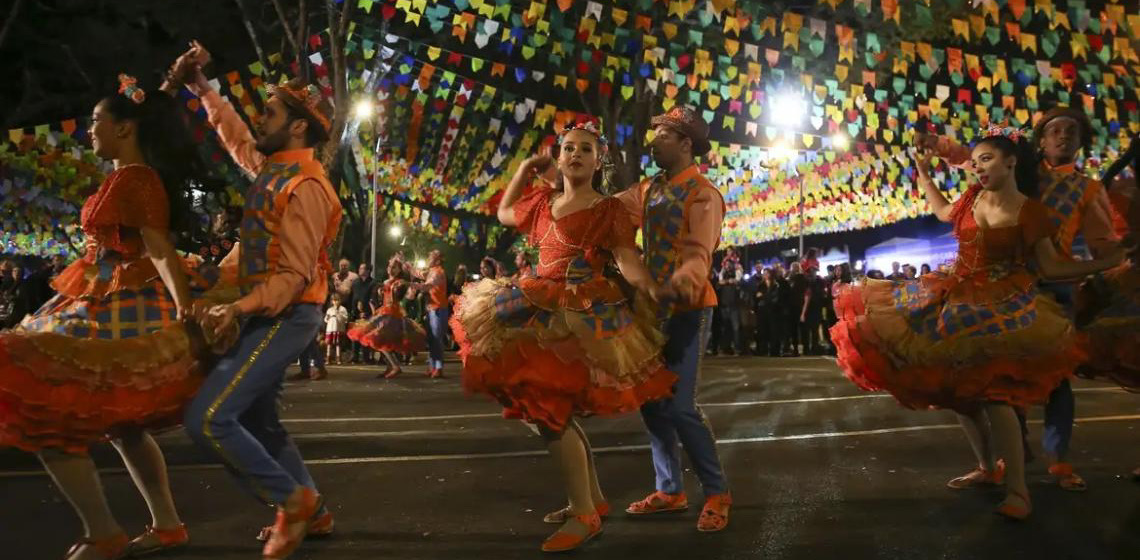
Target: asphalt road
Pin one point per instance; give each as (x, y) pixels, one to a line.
(415, 469)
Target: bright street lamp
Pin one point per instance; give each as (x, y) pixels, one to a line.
(363, 109)
(788, 109)
(395, 231)
(839, 141)
(780, 150)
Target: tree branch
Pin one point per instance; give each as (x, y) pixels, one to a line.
(15, 11)
(286, 31)
(252, 35)
(302, 41)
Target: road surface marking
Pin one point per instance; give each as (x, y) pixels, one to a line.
(703, 405)
(610, 449)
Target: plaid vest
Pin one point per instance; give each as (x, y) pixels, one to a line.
(1066, 195)
(665, 222)
(265, 203)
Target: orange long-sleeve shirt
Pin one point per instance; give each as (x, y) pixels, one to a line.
(306, 216)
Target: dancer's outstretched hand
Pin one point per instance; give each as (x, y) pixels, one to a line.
(662, 293)
(540, 163)
(922, 160)
(925, 141)
(219, 318)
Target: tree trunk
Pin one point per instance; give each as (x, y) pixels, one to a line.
(15, 11)
(252, 31)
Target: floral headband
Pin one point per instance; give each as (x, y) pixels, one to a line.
(308, 97)
(128, 86)
(1013, 133)
(586, 126)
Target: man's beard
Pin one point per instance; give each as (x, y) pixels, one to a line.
(273, 142)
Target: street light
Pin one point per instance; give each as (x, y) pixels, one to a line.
(780, 150)
(840, 141)
(363, 109)
(421, 264)
(395, 232)
(788, 109)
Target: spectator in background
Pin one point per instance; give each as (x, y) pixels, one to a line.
(754, 292)
(224, 227)
(794, 308)
(875, 274)
(8, 285)
(896, 273)
(17, 296)
(811, 314)
(728, 301)
(924, 269)
(336, 323)
(713, 335)
(909, 272)
(501, 270)
(360, 305)
(342, 279)
(39, 280)
(810, 260)
(828, 308)
(487, 268)
(459, 280)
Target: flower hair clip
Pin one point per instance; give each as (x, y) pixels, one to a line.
(1013, 133)
(586, 126)
(128, 86)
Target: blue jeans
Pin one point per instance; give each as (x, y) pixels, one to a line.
(234, 416)
(437, 327)
(1060, 409)
(678, 419)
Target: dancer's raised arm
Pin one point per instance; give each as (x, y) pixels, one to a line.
(938, 203)
(525, 173)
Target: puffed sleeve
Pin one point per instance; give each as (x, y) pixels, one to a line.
(617, 226)
(528, 209)
(1035, 223)
(140, 198)
(632, 199)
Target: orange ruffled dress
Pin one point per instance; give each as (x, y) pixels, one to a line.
(390, 330)
(566, 341)
(107, 352)
(1111, 307)
(982, 332)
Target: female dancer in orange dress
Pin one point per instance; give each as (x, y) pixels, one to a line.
(566, 341)
(980, 339)
(1109, 308)
(109, 355)
(390, 330)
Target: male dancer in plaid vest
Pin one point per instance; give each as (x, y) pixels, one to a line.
(680, 214)
(290, 218)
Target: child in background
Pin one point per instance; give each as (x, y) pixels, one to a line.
(336, 322)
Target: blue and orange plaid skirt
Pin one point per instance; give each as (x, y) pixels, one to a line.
(81, 369)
